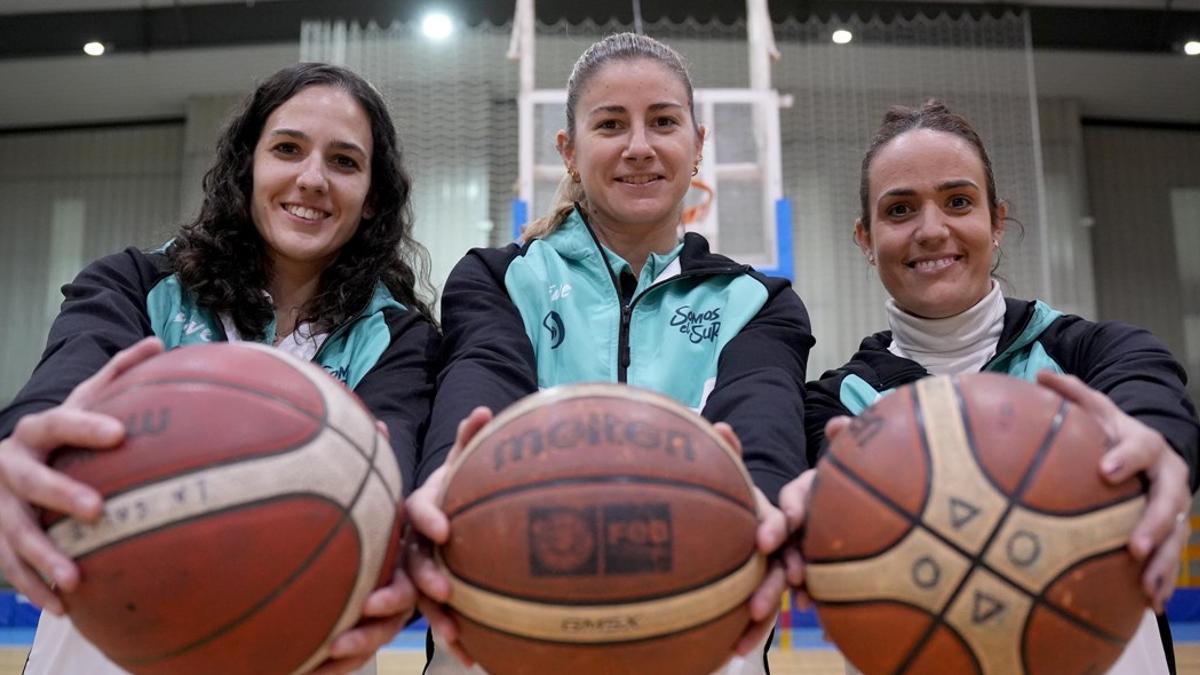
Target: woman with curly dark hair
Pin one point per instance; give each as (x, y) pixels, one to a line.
(304, 242)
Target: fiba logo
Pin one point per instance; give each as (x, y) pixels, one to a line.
(554, 323)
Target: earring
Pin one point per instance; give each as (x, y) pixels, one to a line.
(574, 175)
(695, 170)
(995, 243)
(871, 259)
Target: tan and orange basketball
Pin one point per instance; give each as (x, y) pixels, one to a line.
(961, 525)
(600, 529)
(248, 513)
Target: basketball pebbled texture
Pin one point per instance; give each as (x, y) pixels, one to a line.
(962, 525)
(600, 529)
(248, 513)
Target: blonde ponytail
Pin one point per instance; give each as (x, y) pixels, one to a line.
(565, 196)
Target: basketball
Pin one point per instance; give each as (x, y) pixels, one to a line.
(248, 513)
(600, 529)
(961, 525)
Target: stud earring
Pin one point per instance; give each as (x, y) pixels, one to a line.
(574, 175)
(871, 259)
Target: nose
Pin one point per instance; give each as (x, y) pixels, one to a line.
(638, 147)
(312, 175)
(931, 228)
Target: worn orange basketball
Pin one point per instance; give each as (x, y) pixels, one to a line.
(600, 529)
(248, 513)
(961, 525)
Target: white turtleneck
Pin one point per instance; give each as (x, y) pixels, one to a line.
(962, 343)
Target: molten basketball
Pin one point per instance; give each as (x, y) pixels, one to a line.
(600, 529)
(248, 513)
(961, 525)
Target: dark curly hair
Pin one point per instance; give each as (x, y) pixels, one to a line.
(221, 259)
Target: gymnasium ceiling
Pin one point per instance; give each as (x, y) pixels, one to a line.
(33, 28)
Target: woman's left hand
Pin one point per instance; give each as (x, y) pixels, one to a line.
(771, 533)
(1159, 537)
(385, 613)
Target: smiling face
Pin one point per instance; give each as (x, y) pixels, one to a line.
(312, 175)
(634, 145)
(932, 234)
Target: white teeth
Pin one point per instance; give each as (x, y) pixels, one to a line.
(931, 265)
(304, 212)
(637, 180)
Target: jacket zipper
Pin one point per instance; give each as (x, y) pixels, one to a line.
(624, 357)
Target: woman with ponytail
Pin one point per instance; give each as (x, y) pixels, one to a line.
(933, 227)
(595, 291)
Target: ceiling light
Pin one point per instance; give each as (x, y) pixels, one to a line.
(1192, 48)
(437, 26)
(842, 36)
(93, 48)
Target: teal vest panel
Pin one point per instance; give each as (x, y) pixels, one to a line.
(679, 329)
(347, 354)
(572, 315)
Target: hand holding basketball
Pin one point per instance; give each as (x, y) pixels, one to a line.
(1160, 535)
(771, 534)
(793, 502)
(430, 527)
(26, 554)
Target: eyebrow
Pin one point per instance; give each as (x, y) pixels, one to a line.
(340, 145)
(942, 187)
(618, 109)
(955, 184)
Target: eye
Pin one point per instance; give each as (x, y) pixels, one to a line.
(345, 162)
(960, 202)
(608, 125)
(286, 148)
(898, 210)
(666, 122)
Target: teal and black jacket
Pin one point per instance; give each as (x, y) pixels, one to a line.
(711, 333)
(1126, 363)
(386, 353)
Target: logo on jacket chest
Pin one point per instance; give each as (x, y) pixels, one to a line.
(553, 324)
(699, 325)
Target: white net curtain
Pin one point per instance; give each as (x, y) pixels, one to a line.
(455, 106)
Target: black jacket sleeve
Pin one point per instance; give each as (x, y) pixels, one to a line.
(1136, 371)
(824, 402)
(398, 390)
(103, 312)
(760, 388)
(486, 357)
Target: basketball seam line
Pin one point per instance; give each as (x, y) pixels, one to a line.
(976, 561)
(291, 578)
(565, 481)
(607, 601)
(917, 523)
(265, 600)
(514, 413)
(323, 419)
(603, 645)
(304, 566)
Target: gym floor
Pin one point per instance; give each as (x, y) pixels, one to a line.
(789, 662)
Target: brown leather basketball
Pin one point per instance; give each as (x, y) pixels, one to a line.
(600, 529)
(248, 513)
(961, 525)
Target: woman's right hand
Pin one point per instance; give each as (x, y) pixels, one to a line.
(27, 556)
(430, 528)
(793, 501)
